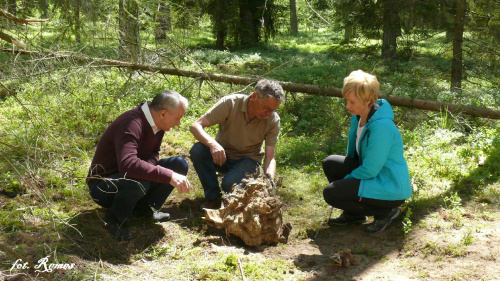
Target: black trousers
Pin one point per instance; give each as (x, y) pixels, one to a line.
(122, 195)
(343, 193)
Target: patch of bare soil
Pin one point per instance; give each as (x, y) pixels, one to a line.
(468, 252)
(441, 246)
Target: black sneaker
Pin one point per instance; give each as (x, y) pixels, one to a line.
(117, 230)
(381, 224)
(120, 232)
(346, 219)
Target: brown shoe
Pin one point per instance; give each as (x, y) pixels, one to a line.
(212, 204)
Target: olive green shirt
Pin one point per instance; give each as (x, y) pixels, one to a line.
(239, 137)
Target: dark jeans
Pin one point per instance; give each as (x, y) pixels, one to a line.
(122, 195)
(343, 193)
(234, 170)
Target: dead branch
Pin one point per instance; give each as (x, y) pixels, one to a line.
(476, 111)
(19, 20)
(12, 40)
(310, 7)
(13, 18)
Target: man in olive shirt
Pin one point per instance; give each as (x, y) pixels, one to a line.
(245, 122)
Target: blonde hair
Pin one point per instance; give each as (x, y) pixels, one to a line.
(364, 85)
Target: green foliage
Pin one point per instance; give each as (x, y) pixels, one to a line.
(231, 262)
(51, 123)
(407, 223)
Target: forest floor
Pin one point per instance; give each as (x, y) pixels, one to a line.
(433, 250)
(456, 241)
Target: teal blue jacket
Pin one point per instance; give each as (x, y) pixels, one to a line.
(383, 170)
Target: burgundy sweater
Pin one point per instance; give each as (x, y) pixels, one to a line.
(130, 147)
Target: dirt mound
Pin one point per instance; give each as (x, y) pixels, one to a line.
(252, 211)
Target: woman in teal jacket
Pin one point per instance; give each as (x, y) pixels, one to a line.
(373, 179)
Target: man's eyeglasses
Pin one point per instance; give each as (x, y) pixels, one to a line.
(266, 108)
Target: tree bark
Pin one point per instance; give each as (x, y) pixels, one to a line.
(294, 27)
(12, 6)
(78, 38)
(164, 21)
(129, 48)
(220, 24)
(44, 8)
(249, 26)
(476, 111)
(391, 28)
(458, 39)
(349, 32)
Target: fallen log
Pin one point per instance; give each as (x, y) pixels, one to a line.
(476, 111)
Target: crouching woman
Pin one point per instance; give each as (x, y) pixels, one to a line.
(373, 179)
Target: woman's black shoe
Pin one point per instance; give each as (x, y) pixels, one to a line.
(346, 219)
(381, 224)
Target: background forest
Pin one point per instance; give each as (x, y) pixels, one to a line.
(63, 80)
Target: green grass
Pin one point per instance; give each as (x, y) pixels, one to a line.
(49, 129)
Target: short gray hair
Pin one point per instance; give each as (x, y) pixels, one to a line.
(168, 100)
(270, 88)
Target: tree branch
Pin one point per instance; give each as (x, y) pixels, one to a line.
(476, 111)
(317, 13)
(12, 40)
(13, 18)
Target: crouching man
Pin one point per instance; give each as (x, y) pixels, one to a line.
(126, 175)
(245, 123)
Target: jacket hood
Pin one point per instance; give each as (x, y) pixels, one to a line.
(382, 109)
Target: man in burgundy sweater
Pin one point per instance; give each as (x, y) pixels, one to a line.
(126, 175)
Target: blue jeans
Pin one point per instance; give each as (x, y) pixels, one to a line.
(234, 170)
(122, 195)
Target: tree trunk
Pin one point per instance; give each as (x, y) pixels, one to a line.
(349, 32)
(129, 48)
(44, 8)
(12, 7)
(164, 21)
(294, 28)
(219, 43)
(458, 39)
(391, 28)
(249, 32)
(78, 38)
(220, 24)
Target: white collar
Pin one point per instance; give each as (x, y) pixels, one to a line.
(149, 117)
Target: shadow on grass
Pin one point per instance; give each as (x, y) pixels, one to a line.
(90, 239)
(370, 248)
(482, 185)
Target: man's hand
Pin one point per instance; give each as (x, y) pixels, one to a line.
(218, 154)
(198, 131)
(180, 182)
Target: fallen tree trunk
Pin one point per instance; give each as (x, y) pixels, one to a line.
(476, 111)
